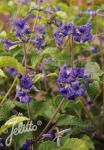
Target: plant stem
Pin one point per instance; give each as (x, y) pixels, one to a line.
(51, 120)
(25, 57)
(88, 113)
(28, 111)
(102, 66)
(71, 51)
(10, 89)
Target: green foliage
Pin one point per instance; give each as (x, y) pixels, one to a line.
(75, 144)
(2, 74)
(47, 145)
(44, 92)
(69, 144)
(7, 61)
(66, 120)
(45, 109)
(94, 69)
(94, 88)
(5, 110)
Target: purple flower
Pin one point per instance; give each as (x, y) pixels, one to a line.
(8, 44)
(39, 17)
(83, 33)
(94, 49)
(39, 42)
(1, 143)
(23, 97)
(21, 27)
(69, 82)
(58, 37)
(49, 135)
(25, 82)
(40, 29)
(84, 28)
(89, 102)
(86, 37)
(23, 1)
(64, 29)
(57, 8)
(26, 145)
(67, 28)
(12, 71)
(41, 1)
(91, 12)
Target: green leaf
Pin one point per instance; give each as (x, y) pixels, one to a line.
(45, 109)
(2, 74)
(47, 146)
(89, 142)
(21, 139)
(66, 120)
(7, 61)
(62, 14)
(93, 90)
(5, 110)
(73, 144)
(52, 52)
(94, 69)
(52, 75)
(38, 77)
(14, 120)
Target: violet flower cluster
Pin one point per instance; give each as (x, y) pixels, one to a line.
(71, 82)
(26, 84)
(21, 27)
(80, 33)
(39, 39)
(83, 33)
(64, 29)
(22, 94)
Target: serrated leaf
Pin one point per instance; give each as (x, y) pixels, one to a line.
(66, 120)
(5, 110)
(52, 51)
(93, 90)
(7, 61)
(94, 69)
(14, 120)
(45, 109)
(74, 144)
(89, 142)
(47, 146)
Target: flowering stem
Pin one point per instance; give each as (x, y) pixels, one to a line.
(71, 51)
(10, 89)
(25, 57)
(88, 113)
(34, 25)
(51, 120)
